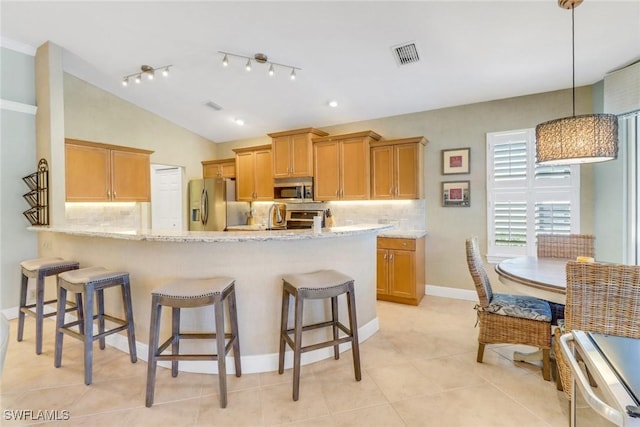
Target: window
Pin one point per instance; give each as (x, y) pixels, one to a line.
(524, 199)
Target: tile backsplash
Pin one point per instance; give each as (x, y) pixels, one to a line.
(118, 215)
(405, 214)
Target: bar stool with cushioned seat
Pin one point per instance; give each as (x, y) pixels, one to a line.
(317, 285)
(38, 269)
(85, 283)
(191, 293)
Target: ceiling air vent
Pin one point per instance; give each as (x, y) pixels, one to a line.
(406, 53)
(214, 105)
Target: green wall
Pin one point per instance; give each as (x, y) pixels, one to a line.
(17, 159)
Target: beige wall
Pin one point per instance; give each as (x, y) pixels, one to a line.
(464, 126)
(96, 115)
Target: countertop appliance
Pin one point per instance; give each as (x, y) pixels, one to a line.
(213, 206)
(293, 190)
(302, 219)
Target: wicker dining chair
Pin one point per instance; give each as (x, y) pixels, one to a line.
(603, 298)
(569, 246)
(508, 319)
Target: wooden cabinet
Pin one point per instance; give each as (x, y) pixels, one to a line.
(397, 169)
(254, 173)
(222, 168)
(341, 166)
(400, 274)
(293, 152)
(100, 172)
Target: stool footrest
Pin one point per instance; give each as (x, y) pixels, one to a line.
(319, 345)
(27, 309)
(197, 336)
(342, 327)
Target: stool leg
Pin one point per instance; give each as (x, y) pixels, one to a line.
(233, 320)
(175, 339)
(297, 350)
(284, 321)
(334, 321)
(154, 337)
(62, 302)
(353, 326)
(23, 302)
(128, 311)
(40, 311)
(80, 310)
(222, 355)
(88, 333)
(100, 306)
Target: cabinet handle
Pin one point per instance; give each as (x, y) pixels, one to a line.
(385, 257)
(114, 195)
(108, 194)
(391, 257)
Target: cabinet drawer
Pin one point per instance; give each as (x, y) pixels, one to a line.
(394, 243)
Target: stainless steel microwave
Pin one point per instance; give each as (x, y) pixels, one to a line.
(293, 191)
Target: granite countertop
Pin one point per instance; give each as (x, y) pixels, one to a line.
(179, 236)
(403, 234)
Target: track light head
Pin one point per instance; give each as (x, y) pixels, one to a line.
(293, 74)
(248, 66)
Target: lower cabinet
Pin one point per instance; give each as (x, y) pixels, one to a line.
(400, 270)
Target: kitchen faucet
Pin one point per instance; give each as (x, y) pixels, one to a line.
(270, 216)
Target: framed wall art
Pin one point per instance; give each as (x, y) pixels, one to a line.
(456, 194)
(455, 161)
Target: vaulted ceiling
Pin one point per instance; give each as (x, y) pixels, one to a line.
(469, 51)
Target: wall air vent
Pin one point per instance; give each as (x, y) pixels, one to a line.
(213, 105)
(406, 53)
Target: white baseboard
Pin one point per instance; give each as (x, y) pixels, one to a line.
(455, 293)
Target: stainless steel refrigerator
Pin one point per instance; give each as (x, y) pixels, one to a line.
(213, 206)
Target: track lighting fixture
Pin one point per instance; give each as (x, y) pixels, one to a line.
(260, 58)
(148, 71)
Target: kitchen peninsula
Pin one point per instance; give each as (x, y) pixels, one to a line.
(257, 260)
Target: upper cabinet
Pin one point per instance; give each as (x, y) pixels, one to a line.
(341, 166)
(397, 169)
(223, 168)
(293, 153)
(100, 172)
(254, 173)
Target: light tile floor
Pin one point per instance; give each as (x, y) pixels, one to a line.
(418, 370)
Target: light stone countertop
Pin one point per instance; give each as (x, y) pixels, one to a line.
(179, 236)
(403, 234)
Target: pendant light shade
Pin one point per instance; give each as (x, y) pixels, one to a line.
(577, 139)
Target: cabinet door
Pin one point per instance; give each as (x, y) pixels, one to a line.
(263, 175)
(402, 277)
(326, 170)
(245, 176)
(407, 172)
(355, 169)
(301, 155)
(382, 272)
(87, 173)
(130, 180)
(281, 157)
(382, 176)
(210, 171)
(227, 170)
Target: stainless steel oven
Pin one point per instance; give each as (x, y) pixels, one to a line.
(302, 219)
(291, 191)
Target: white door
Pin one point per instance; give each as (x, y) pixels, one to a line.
(166, 197)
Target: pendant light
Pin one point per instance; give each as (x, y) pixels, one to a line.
(577, 139)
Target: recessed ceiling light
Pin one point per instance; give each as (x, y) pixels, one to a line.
(238, 121)
(333, 103)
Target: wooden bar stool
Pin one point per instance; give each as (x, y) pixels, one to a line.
(317, 285)
(38, 269)
(85, 283)
(191, 293)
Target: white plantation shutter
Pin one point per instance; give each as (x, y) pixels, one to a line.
(525, 199)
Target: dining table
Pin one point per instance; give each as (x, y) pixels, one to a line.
(543, 277)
